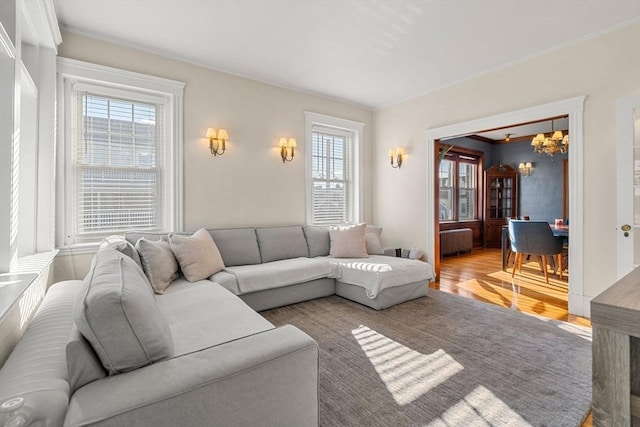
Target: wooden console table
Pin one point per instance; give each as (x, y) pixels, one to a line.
(615, 317)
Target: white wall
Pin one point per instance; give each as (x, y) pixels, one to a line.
(249, 184)
(605, 69)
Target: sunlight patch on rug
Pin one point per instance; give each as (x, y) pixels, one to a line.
(406, 373)
(480, 408)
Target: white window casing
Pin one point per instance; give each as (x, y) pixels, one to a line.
(120, 153)
(333, 170)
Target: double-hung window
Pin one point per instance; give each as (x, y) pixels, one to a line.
(118, 155)
(122, 170)
(333, 170)
(459, 193)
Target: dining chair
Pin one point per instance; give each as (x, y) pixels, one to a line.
(534, 238)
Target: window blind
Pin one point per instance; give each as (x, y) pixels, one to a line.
(332, 169)
(118, 150)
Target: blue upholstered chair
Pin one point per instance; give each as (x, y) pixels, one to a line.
(534, 238)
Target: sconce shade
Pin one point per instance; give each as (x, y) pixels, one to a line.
(217, 141)
(525, 168)
(287, 149)
(395, 155)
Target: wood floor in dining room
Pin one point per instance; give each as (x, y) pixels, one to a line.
(479, 275)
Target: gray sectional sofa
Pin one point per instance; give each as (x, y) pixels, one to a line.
(207, 358)
(269, 267)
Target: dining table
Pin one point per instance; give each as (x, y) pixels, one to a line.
(560, 230)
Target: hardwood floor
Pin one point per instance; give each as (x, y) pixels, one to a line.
(479, 275)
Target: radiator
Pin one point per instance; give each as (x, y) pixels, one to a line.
(456, 241)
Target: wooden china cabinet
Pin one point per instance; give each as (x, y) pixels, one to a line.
(500, 201)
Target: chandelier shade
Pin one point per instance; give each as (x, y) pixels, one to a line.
(556, 143)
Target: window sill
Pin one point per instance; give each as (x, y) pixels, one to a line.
(79, 249)
(28, 270)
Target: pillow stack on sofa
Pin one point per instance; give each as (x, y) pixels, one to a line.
(196, 256)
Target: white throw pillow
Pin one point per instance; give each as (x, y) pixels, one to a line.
(197, 255)
(348, 241)
(374, 244)
(158, 262)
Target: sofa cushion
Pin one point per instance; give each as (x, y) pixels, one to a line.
(117, 313)
(204, 314)
(82, 362)
(197, 255)
(227, 281)
(275, 274)
(348, 241)
(278, 243)
(373, 241)
(318, 240)
(158, 262)
(238, 246)
(122, 245)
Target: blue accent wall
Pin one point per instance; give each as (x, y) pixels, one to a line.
(540, 194)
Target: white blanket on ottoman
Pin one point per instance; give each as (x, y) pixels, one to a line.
(377, 272)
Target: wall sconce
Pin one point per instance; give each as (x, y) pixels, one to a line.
(396, 157)
(525, 168)
(287, 149)
(217, 141)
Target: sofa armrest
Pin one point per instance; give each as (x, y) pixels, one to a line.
(268, 379)
(390, 251)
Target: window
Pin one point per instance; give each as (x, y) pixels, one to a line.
(123, 154)
(117, 145)
(459, 187)
(333, 170)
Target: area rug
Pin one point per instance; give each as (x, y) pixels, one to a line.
(444, 360)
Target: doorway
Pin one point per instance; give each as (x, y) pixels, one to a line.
(573, 108)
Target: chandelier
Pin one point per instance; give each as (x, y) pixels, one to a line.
(556, 143)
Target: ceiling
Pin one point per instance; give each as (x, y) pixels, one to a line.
(367, 52)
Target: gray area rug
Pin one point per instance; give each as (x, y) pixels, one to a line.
(444, 360)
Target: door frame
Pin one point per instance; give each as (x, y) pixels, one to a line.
(624, 178)
(574, 108)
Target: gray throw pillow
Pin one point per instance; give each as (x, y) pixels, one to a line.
(158, 262)
(374, 243)
(348, 241)
(117, 313)
(121, 244)
(197, 255)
